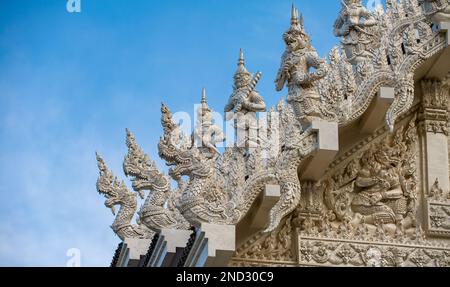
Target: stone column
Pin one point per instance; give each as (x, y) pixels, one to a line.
(433, 130)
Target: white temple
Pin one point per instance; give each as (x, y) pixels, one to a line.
(352, 170)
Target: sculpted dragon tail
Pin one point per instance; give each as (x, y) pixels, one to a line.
(290, 198)
(403, 101)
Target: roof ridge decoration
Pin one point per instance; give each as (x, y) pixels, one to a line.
(381, 48)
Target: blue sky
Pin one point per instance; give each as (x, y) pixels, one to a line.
(71, 83)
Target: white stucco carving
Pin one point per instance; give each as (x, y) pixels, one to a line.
(382, 196)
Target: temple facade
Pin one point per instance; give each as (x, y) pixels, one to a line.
(350, 168)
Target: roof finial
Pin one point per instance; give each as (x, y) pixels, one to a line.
(302, 21)
(204, 96)
(204, 105)
(241, 58)
(241, 70)
(100, 162)
(294, 16)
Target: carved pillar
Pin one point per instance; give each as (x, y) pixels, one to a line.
(435, 160)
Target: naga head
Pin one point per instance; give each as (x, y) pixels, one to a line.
(183, 160)
(296, 37)
(145, 175)
(116, 192)
(190, 163)
(180, 168)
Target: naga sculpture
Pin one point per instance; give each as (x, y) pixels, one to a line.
(296, 63)
(117, 193)
(146, 177)
(208, 195)
(203, 198)
(293, 154)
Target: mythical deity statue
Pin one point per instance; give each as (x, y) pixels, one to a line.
(300, 141)
(243, 105)
(206, 134)
(117, 193)
(352, 25)
(300, 57)
(245, 98)
(385, 182)
(378, 189)
(436, 191)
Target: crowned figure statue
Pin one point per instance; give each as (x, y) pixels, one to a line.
(301, 67)
(243, 105)
(353, 25)
(206, 134)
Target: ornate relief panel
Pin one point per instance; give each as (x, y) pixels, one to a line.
(363, 213)
(439, 218)
(274, 249)
(438, 211)
(317, 251)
